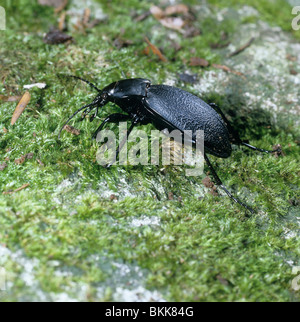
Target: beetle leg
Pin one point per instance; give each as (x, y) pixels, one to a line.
(260, 150)
(120, 146)
(113, 118)
(86, 112)
(219, 183)
(94, 115)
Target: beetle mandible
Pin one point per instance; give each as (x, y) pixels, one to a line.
(171, 108)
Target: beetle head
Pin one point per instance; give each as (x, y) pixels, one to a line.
(122, 90)
(119, 92)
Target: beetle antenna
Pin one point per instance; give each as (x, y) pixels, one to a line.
(86, 81)
(70, 118)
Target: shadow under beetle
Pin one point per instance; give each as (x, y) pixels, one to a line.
(171, 108)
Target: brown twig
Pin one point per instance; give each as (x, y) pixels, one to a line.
(19, 189)
(62, 20)
(239, 50)
(229, 70)
(62, 7)
(86, 16)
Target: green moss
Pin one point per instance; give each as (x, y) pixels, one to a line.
(205, 247)
(275, 12)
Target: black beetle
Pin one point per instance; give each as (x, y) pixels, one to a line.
(169, 108)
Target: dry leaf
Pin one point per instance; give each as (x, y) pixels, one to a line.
(196, 61)
(157, 12)
(20, 160)
(175, 23)
(3, 166)
(170, 195)
(207, 182)
(9, 98)
(23, 158)
(155, 50)
(164, 16)
(20, 108)
(72, 130)
(54, 37)
(178, 8)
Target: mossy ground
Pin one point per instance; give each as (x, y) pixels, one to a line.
(65, 223)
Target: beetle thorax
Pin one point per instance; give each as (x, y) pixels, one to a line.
(128, 93)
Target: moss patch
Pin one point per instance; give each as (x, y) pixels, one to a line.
(66, 238)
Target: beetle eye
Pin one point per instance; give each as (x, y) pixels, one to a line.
(104, 96)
